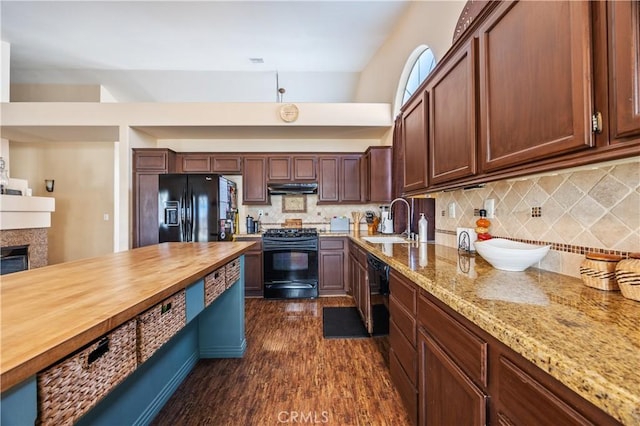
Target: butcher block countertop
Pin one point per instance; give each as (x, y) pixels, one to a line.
(588, 339)
(50, 312)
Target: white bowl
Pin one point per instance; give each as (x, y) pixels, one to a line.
(508, 255)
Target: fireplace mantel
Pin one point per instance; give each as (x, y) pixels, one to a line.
(20, 212)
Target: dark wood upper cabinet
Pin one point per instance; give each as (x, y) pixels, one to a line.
(147, 165)
(414, 140)
(452, 118)
(535, 82)
(304, 167)
(624, 70)
(376, 174)
(292, 168)
(339, 178)
(328, 178)
(350, 186)
(226, 163)
(194, 163)
(254, 177)
(279, 167)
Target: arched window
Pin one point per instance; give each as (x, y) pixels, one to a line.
(420, 70)
(417, 68)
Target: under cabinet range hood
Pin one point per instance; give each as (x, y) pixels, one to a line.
(293, 188)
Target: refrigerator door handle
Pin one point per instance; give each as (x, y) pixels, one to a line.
(192, 201)
(183, 216)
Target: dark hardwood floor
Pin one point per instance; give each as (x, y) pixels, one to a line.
(291, 374)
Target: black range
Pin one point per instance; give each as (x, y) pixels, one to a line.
(290, 263)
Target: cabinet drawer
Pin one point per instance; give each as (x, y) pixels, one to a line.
(214, 285)
(157, 325)
(467, 349)
(403, 291)
(232, 272)
(407, 355)
(405, 322)
(405, 388)
(72, 387)
(331, 244)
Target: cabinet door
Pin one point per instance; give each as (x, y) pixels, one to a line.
(146, 209)
(446, 395)
(378, 173)
(414, 141)
(253, 272)
(254, 187)
(332, 266)
(331, 272)
(350, 183)
(279, 168)
(624, 69)
(152, 159)
(535, 82)
(223, 163)
(328, 175)
(452, 119)
(304, 168)
(524, 400)
(194, 163)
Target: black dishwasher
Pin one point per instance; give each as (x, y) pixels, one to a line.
(378, 273)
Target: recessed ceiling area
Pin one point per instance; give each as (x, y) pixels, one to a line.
(199, 51)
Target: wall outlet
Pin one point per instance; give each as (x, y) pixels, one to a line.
(260, 212)
(452, 210)
(105, 217)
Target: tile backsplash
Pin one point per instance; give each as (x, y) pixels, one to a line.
(595, 208)
(316, 216)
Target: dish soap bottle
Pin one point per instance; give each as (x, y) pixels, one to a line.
(482, 226)
(423, 226)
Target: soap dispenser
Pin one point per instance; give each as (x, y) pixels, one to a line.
(423, 227)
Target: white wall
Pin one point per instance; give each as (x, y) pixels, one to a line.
(5, 70)
(425, 22)
(83, 174)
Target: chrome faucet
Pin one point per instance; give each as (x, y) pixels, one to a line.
(408, 231)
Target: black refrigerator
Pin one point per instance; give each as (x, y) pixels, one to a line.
(196, 208)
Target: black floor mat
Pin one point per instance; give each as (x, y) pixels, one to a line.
(345, 323)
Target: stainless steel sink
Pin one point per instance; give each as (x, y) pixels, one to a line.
(387, 239)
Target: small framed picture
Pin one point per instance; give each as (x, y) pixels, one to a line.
(294, 203)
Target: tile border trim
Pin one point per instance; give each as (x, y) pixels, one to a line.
(567, 248)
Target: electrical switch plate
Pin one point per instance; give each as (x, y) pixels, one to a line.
(105, 217)
(490, 207)
(452, 210)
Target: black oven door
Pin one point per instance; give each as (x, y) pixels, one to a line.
(290, 268)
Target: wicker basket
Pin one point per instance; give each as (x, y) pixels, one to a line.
(158, 324)
(599, 271)
(233, 272)
(628, 276)
(76, 384)
(214, 285)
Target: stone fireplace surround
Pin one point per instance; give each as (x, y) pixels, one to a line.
(35, 238)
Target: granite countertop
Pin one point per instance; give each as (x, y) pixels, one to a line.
(586, 338)
(50, 312)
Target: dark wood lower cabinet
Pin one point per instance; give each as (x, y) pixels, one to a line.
(253, 271)
(457, 374)
(332, 260)
(447, 394)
